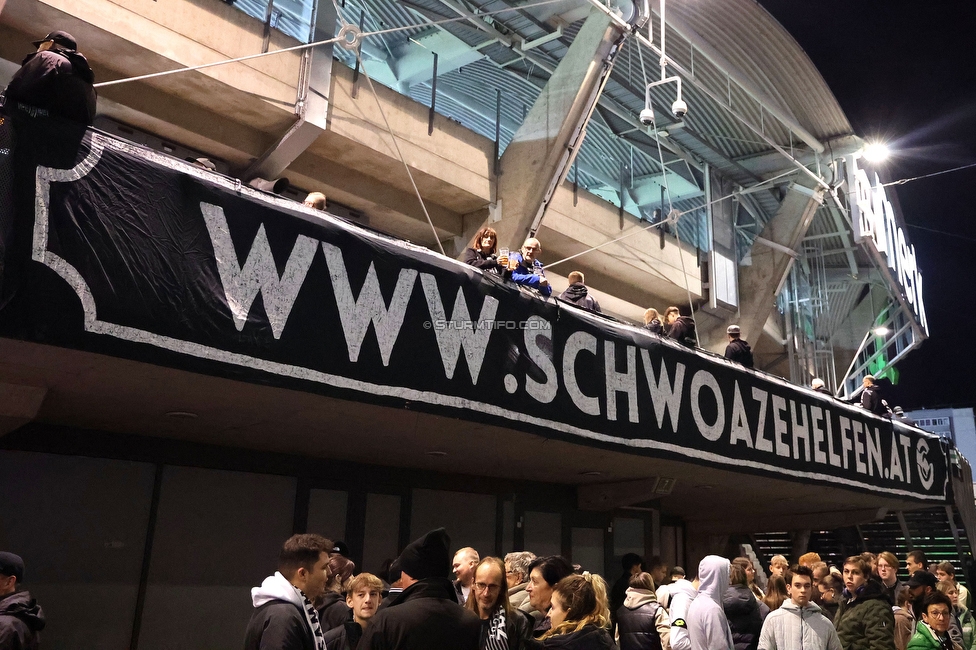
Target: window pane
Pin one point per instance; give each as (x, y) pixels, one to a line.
(382, 530)
(476, 528)
(543, 533)
(327, 513)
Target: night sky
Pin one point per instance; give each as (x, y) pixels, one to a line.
(906, 71)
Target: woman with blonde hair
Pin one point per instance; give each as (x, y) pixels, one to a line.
(579, 615)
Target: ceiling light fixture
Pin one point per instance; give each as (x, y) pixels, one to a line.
(436, 453)
(188, 415)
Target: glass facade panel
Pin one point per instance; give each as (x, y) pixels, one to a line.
(327, 513)
(468, 518)
(543, 533)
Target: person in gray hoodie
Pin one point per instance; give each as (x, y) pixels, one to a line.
(681, 593)
(708, 628)
(798, 623)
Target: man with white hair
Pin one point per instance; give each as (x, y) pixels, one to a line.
(528, 269)
(819, 386)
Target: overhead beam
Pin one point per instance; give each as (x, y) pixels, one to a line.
(540, 154)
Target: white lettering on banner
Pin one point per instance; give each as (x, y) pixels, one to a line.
(801, 429)
(451, 340)
(259, 272)
(665, 396)
(355, 314)
(620, 382)
(882, 448)
(705, 379)
(762, 442)
(542, 392)
(740, 423)
(576, 343)
(874, 217)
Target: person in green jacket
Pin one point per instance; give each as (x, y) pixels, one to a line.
(864, 619)
(932, 632)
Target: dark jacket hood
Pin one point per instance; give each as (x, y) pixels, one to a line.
(739, 600)
(870, 590)
(20, 605)
(441, 588)
(590, 637)
(79, 63)
(575, 292)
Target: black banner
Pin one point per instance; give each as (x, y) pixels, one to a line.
(128, 252)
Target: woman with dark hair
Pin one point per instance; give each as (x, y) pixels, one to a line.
(544, 574)
(482, 253)
(579, 615)
(332, 608)
(742, 608)
(642, 623)
(776, 593)
(502, 627)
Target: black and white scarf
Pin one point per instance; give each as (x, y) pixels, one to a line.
(312, 617)
(497, 634)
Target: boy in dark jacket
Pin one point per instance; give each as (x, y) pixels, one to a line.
(578, 294)
(738, 350)
(864, 619)
(363, 594)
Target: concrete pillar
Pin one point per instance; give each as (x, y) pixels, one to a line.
(773, 255)
(539, 156)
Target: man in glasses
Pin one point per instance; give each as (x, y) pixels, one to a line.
(933, 631)
(501, 625)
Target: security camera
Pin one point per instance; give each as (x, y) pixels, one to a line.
(647, 117)
(679, 109)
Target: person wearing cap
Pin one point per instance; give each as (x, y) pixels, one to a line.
(426, 615)
(898, 413)
(56, 78)
(21, 618)
(738, 349)
(920, 584)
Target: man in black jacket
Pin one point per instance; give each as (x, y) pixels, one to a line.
(284, 617)
(426, 616)
(871, 397)
(578, 294)
(21, 619)
(56, 78)
(738, 350)
(363, 598)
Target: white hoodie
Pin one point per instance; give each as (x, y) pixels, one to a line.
(708, 627)
(682, 592)
(276, 587)
(792, 627)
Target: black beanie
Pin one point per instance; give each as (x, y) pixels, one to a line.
(427, 557)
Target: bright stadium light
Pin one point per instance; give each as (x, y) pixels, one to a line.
(876, 152)
(881, 331)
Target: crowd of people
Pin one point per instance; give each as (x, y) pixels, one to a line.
(521, 601)
(317, 601)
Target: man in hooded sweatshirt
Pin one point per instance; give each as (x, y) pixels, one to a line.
(426, 616)
(798, 623)
(21, 619)
(577, 293)
(708, 628)
(284, 617)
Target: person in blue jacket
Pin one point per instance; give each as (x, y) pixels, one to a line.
(528, 269)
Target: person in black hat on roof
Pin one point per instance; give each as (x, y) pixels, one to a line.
(738, 349)
(426, 615)
(56, 78)
(21, 619)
